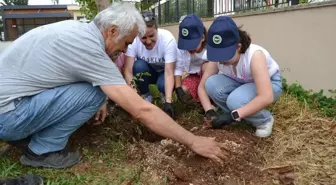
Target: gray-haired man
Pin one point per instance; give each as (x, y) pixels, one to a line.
(56, 77)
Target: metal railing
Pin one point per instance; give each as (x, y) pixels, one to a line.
(227, 7)
(170, 11)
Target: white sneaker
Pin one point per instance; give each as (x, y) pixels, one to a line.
(148, 97)
(265, 130)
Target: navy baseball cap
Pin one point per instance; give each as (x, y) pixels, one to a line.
(191, 31)
(223, 39)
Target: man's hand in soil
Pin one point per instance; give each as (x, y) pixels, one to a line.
(159, 122)
(208, 147)
(168, 108)
(222, 120)
(180, 94)
(101, 114)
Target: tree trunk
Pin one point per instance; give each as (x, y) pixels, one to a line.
(102, 4)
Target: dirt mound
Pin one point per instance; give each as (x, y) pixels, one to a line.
(181, 166)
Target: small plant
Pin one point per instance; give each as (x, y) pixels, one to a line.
(138, 77)
(326, 105)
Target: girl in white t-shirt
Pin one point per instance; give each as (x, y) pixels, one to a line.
(191, 47)
(154, 53)
(248, 81)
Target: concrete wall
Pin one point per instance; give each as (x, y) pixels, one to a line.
(301, 38)
(74, 10)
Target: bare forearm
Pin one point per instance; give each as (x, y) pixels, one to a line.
(128, 77)
(169, 86)
(254, 106)
(204, 98)
(163, 125)
(178, 82)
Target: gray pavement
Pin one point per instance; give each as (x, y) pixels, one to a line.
(4, 45)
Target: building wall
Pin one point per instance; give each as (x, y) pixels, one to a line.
(15, 27)
(300, 38)
(74, 10)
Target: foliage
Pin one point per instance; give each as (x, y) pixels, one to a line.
(315, 100)
(139, 77)
(14, 2)
(55, 1)
(88, 8)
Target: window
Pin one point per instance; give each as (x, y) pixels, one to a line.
(40, 21)
(20, 30)
(28, 21)
(19, 21)
(50, 20)
(28, 27)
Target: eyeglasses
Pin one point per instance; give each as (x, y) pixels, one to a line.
(148, 16)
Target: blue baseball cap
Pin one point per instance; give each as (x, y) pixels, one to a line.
(223, 39)
(191, 31)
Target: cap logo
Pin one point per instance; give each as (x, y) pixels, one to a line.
(217, 39)
(185, 32)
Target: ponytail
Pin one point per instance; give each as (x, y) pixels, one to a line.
(245, 40)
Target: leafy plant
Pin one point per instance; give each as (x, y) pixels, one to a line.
(315, 100)
(138, 77)
(91, 7)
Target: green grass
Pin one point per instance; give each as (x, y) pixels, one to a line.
(104, 149)
(104, 158)
(105, 167)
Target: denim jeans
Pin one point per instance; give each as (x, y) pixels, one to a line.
(141, 66)
(51, 116)
(230, 95)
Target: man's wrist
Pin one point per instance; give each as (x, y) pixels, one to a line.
(191, 140)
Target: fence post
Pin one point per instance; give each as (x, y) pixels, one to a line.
(166, 12)
(193, 6)
(177, 10)
(210, 8)
(159, 12)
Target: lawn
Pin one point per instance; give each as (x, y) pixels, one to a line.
(300, 151)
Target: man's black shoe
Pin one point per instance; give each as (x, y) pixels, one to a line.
(25, 180)
(59, 159)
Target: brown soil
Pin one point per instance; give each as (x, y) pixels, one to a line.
(298, 152)
(301, 150)
(181, 166)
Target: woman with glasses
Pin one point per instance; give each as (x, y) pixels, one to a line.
(191, 47)
(154, 53)
(249, 79)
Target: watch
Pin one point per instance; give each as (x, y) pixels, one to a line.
(235, 115)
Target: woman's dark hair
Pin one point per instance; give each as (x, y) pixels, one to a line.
(151, 23)
(245, 40)
(149, 19)
(204, 43)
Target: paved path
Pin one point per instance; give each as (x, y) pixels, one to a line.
(4, 45)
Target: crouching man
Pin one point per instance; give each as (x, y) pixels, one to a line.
(56, 77)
